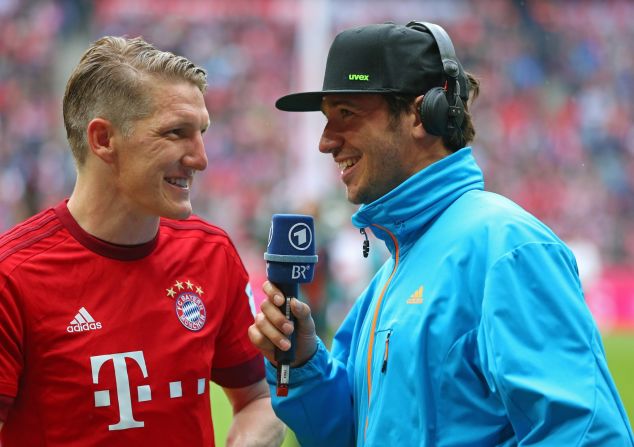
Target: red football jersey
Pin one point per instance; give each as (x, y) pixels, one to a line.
(103, 344)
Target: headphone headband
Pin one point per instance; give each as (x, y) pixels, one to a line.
(442, 117)
(445, 46)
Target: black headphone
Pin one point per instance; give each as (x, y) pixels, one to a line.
(442, 110)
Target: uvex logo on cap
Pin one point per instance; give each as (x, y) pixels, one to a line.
(358, 77)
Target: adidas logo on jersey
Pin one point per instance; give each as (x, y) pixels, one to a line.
(83, 321)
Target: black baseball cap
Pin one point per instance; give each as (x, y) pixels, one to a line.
(379, 58)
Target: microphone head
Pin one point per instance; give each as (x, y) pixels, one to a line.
(290, 254)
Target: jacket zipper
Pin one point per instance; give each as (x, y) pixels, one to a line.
(386, 353)
(374, 320)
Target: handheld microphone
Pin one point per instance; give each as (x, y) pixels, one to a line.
(290, 258)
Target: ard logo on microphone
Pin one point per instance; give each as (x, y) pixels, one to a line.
(300, 236)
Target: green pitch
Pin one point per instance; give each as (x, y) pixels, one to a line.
(619, 348)
(221, 410)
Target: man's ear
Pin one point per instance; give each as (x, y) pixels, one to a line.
(100, 134)
(419, 129)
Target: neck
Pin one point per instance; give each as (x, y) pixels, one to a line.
(99, 211)
(435, 148)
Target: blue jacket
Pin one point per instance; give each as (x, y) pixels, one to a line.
(474, 332)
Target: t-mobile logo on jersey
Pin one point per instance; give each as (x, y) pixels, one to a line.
(102, 398)
(122, 382)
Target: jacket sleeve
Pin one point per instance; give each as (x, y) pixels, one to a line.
(543, 355)
(318, 407)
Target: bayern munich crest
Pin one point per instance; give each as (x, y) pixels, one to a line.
(190, 309)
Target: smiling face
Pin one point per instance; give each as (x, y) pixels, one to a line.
(155, 164)
(374, 154)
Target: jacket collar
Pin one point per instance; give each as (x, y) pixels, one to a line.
(411, 207)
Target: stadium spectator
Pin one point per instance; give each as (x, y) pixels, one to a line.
(117, 307)
(475, 330)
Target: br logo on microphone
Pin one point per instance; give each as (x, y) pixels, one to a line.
(299, 272)
(300, 236)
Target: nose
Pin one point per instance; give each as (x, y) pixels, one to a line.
(196, 157)
(330, 140)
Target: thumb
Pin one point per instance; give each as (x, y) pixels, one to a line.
(305, 335)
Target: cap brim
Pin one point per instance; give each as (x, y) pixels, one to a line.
(311, 101)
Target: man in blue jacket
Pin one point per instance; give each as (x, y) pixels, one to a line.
(475, 332)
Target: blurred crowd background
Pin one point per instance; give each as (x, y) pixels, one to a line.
(554, 119)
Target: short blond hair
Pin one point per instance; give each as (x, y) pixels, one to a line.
(112, 81)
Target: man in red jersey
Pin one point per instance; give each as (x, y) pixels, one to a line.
(117, 307)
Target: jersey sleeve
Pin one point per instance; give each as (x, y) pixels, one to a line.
(543, 354)
(11, 330)
(237, 362)
(5, 404)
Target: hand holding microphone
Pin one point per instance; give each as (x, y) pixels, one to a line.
(290, 260)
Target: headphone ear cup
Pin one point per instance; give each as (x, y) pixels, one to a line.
(434, 111)
(457, 119)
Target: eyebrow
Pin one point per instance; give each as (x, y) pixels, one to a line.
(184, 120)
(337, 103)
